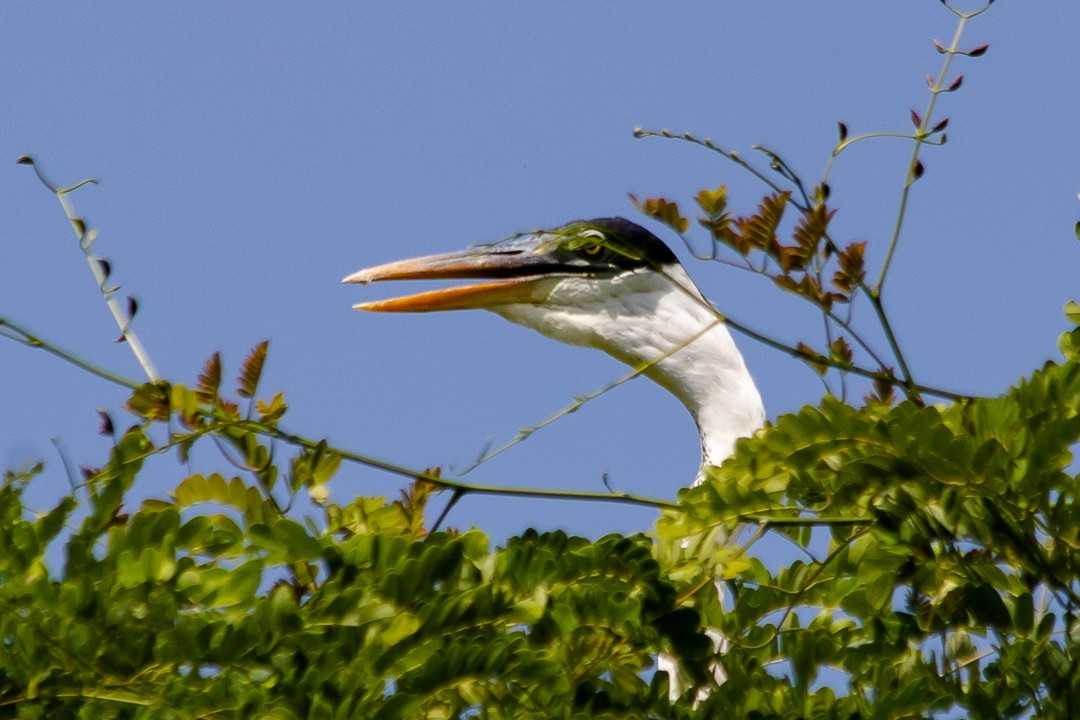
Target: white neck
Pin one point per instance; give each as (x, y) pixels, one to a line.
(710, 378)
(643, 316)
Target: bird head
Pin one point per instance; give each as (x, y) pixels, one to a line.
(606, 283)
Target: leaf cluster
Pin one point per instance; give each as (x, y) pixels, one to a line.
(944, 572)
(226, 600)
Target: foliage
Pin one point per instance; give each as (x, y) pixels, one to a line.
(936, 567)
(216, 602)
(939, 575)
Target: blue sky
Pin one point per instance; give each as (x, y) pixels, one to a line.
(250, 159)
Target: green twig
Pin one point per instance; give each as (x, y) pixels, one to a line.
(21, 335)
(855, 369)
(729, 154)
(463, 488)
(922, 132)
(911, 389)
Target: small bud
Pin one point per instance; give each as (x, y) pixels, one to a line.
(944, 139)
(843, 131)
(106, 267)
(941, 126)
(825, 191)
(940, 47)
(80, 226)
(916, 120)
(978, 51)
(1078, 230)
(956, 84)
(918, 170)
(133, 307)
(638, 132)
(929, 80)
(25, 160)
(106, 427)
(121, 339)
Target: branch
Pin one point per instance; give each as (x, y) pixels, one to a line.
(455, 485)
(98, 267)
(21, 335)
(863, 372)
(729, 154)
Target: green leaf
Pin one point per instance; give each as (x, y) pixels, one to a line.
(1072, 312)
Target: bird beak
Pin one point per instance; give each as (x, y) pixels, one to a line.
(517, 275)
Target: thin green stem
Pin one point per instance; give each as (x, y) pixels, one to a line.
(921, 133)
(729, 154)
(910, 387)
(30, 339)
(463, 488)
(845, 144)
(855, 369)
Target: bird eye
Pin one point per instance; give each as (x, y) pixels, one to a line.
(593, 249)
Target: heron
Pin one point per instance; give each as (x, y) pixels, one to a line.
(609, 284)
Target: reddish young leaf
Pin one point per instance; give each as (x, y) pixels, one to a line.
(665, 211)
(759, 230)
(791, 257)
(151, 401)
(786, 282)
(841, 351)
(209, 381)
(251, 370)
(852, 270)
(816, 359)
(883, 392)
(812, 227)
